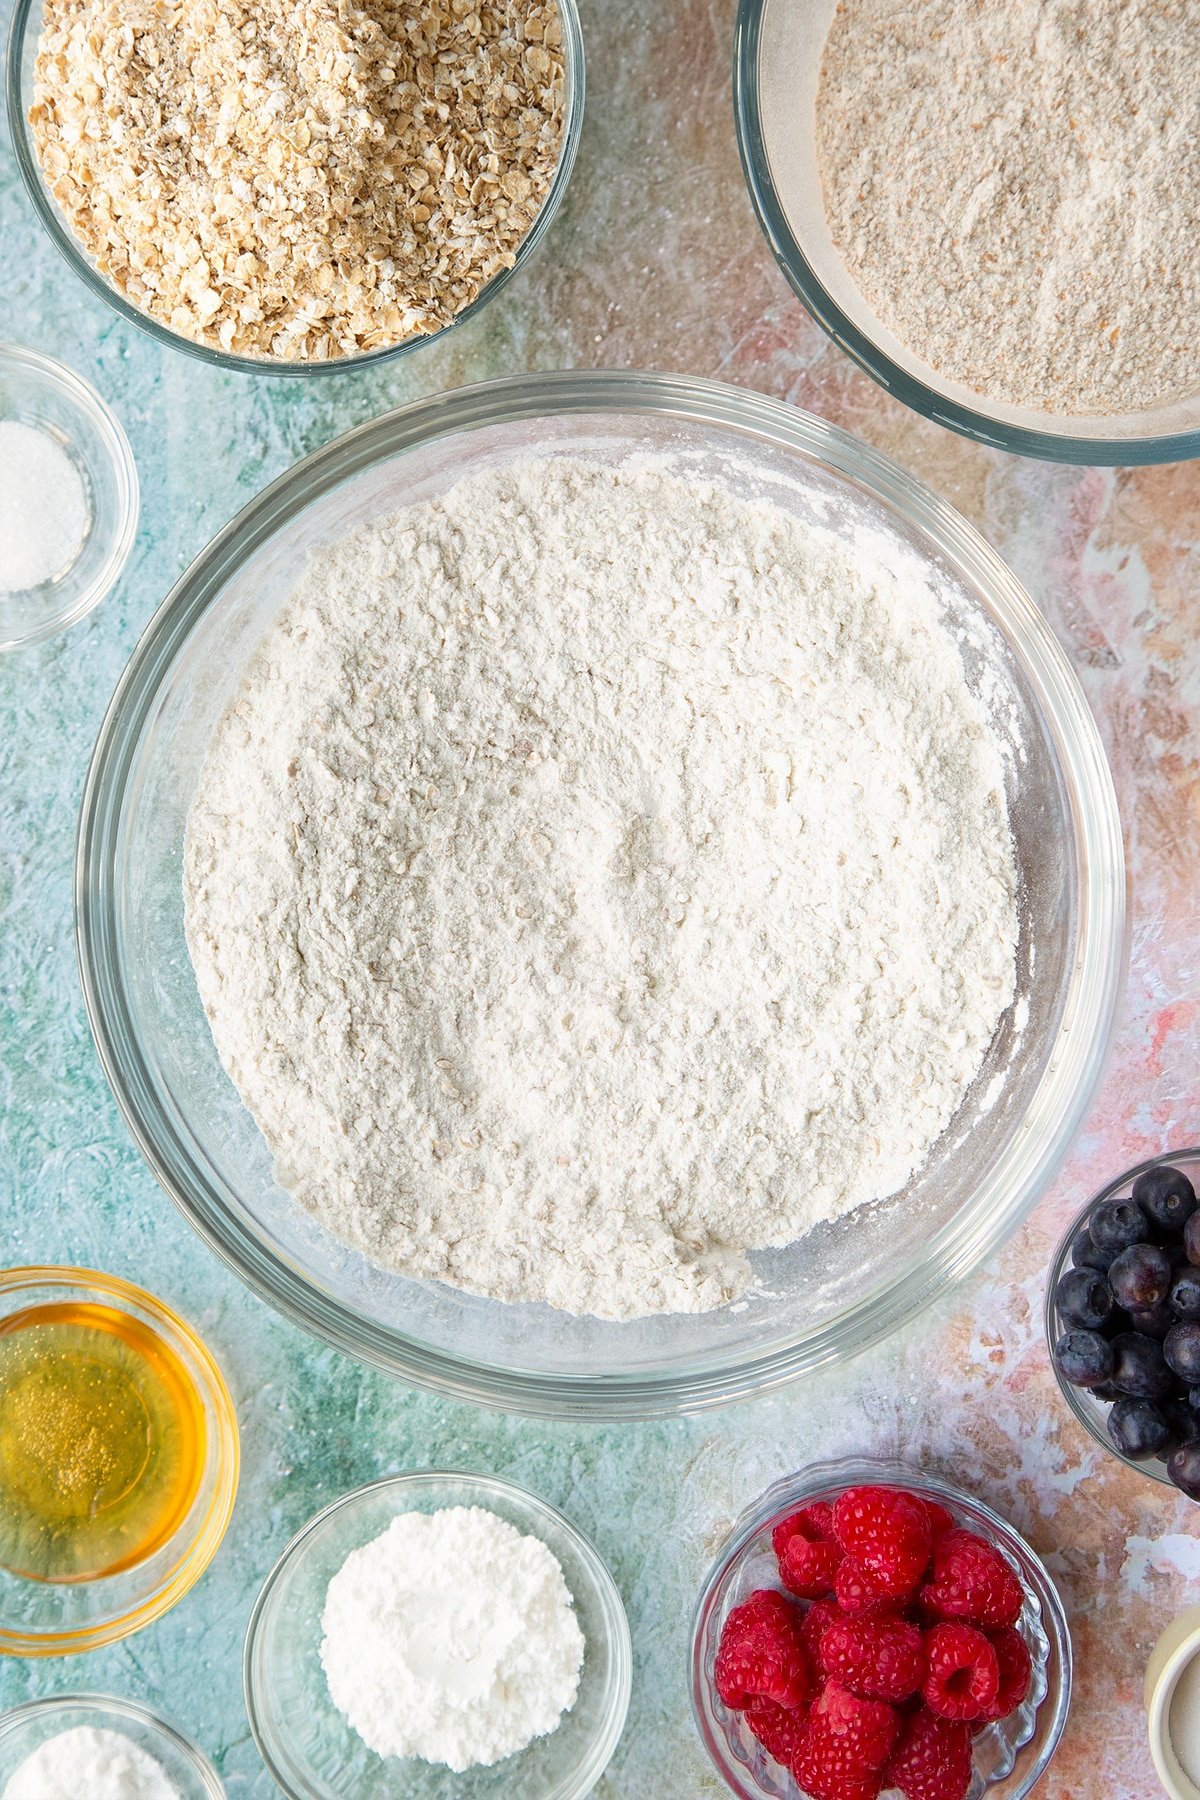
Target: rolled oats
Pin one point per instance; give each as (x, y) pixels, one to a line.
(302, 179)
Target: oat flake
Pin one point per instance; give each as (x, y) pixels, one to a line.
(299, 178)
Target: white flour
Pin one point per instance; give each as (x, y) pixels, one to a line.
(1014, 186)
(598, 876)
(92, 1762)
(452, 1637)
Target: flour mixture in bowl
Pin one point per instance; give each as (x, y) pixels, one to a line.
(600, 875)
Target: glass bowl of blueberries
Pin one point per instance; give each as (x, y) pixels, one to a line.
(1123, 1318)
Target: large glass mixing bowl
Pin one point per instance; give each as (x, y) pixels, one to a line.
(845, 1284)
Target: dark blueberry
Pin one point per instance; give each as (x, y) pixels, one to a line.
(1116, 1224)
(1105, 1390)
(1140, 1277)
(1166, 1196)
(1083, 1358)
(1191, 1239)
(1185, 1296)
(1085, 1255)
(1083, 1297)
(1181, 1421)
(1138, 1366)
(1137, 1427)
(1183, 1466)
(1181, 1349)
(1155, 1322)
(1194, 1398)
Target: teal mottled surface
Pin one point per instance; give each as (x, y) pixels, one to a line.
(655, 262)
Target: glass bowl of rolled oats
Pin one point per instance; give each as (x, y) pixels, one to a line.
(296, 186)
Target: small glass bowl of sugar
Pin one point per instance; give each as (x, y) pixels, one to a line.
(68, 497)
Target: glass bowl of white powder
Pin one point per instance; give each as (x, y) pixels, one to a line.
(302, 1645)
(70, 1745)
(991, 212)
(516, 1282)
(68, 497)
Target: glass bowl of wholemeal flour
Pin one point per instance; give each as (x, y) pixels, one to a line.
(691, 933)
(340, 206)
(990, 208)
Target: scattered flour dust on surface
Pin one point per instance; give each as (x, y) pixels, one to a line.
(451, 1636)
(599, 875)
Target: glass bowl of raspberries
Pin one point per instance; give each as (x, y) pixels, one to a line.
(1123, 1318)
(869, 1630)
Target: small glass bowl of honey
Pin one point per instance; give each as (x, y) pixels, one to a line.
(118, 1459)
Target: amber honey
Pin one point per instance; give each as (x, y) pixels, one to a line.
(102, 1441)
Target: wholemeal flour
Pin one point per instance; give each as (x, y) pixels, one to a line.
(598, 876)
(1014, 186)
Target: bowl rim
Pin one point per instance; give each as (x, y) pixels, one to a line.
(1151, 1468)
(1095, 983)
(115, 1705)
(82, 395)
(969, 421)
(1177, 1646)
(27, 12)
(807, 1484)
(222, 1454)
(481, 1487)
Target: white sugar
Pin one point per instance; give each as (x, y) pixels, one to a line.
(43, 507)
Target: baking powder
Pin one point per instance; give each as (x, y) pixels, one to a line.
(451, 1637)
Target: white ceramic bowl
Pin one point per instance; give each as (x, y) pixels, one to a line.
(1176, 1648)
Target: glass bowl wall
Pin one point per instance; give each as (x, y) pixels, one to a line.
(844, 1285)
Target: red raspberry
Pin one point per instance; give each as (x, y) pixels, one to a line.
(843, 1746)
(777, 1729)
(857, 1593)
(964, 1672)
(888, 1534)
(881, 1659)
(761, 1654)
(808, 1554)
(813, 1522)
(1016, 1671)
(866, 1728)
(971, 1581)
(817, 1619)
(818, 1767)
(932, 1760)
(763, 1606)
(940, 1519)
